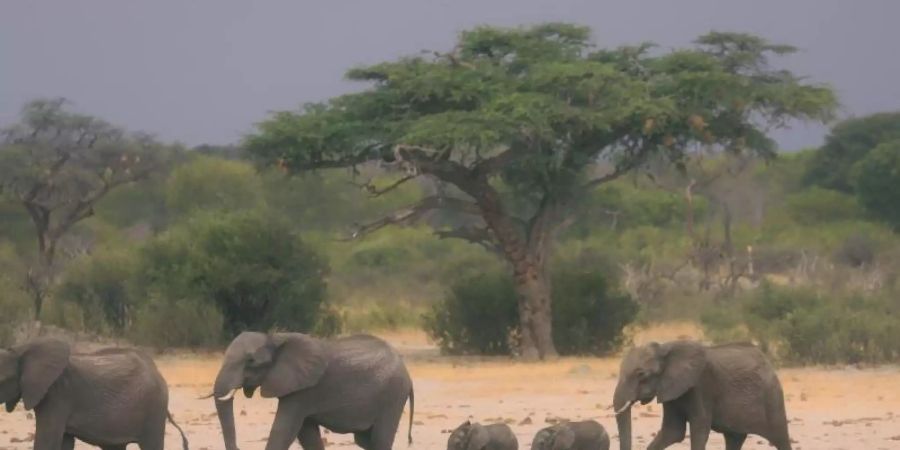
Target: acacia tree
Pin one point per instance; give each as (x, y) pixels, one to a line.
(57, 165)
(520, 122)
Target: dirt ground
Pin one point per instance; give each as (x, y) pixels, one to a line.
(845, 408)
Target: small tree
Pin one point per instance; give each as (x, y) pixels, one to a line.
(58, 165)
(520, 123)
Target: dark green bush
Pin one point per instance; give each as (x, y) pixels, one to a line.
(800, 325)
(589, 315)
(252, 266)
(480, 314)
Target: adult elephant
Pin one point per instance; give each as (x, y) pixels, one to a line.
(356, 384)
(731, 389)
(109, 398)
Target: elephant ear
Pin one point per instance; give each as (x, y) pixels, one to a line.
(683, 363)
(43, 362)
(478, 437)
(299, 363)
(564, 438)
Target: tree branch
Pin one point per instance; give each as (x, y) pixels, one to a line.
(373, 191)
(476, 235)
(411, 214)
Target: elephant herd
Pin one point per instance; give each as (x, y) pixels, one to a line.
(360, 385)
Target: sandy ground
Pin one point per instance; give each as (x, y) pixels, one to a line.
(828, 408)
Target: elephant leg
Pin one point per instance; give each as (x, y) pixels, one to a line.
(286, 427)
(50, 431)
(310, 437)
(68, 442)
(672, 430)
(700, 428)
(385, 430)
(734, 441)
(363, 439)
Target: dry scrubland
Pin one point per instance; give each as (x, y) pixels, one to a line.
(829, 408)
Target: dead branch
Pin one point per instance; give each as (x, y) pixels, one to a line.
(476, 235)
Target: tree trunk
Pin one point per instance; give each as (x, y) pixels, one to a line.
(535, 311)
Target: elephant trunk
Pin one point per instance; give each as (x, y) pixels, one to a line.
(229, 379)
(225, 410)
(622, 404)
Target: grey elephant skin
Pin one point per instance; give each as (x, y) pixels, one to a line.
(731, 389)
(108, 398)
(583, 435)
(355, 384)
(474, 436)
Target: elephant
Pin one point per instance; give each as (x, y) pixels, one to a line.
(731, 389)
(583, 435)
(474, 436)
(356, 384)
(108, 398)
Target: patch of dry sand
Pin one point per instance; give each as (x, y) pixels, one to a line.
(828, 408)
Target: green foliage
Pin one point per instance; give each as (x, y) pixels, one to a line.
(815, 206)
(99, 286)
(252, 266)
(480, 313)
(213, 184)
(178, 322)
(589, 313)
(800, 325)
(849, 142)
(877, 181)
(15, 306)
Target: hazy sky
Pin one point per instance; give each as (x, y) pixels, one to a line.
(203, 71)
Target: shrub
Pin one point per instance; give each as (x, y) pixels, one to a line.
(209, 183)
(251, 266)
(800, 325)
(589, 315)
(99, 286)
(177, 322)
(480, 314)
(816, 205)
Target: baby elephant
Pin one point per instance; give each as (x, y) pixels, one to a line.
(585, 435)
(474, 436)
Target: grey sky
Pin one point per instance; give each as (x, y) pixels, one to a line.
(203, 71)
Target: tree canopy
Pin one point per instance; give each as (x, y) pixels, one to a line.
(520, 122)
(849, 142)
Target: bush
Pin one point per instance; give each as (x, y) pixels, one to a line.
(480, 314)
(589, 315)
(177, 322)
(799, 325)
(816, 205)
(251, 266)
(99, 286)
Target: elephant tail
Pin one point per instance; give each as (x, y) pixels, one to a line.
(184, 441)
(412, 410)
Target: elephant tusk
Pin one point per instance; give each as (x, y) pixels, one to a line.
(625, 408)
(226, 397)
